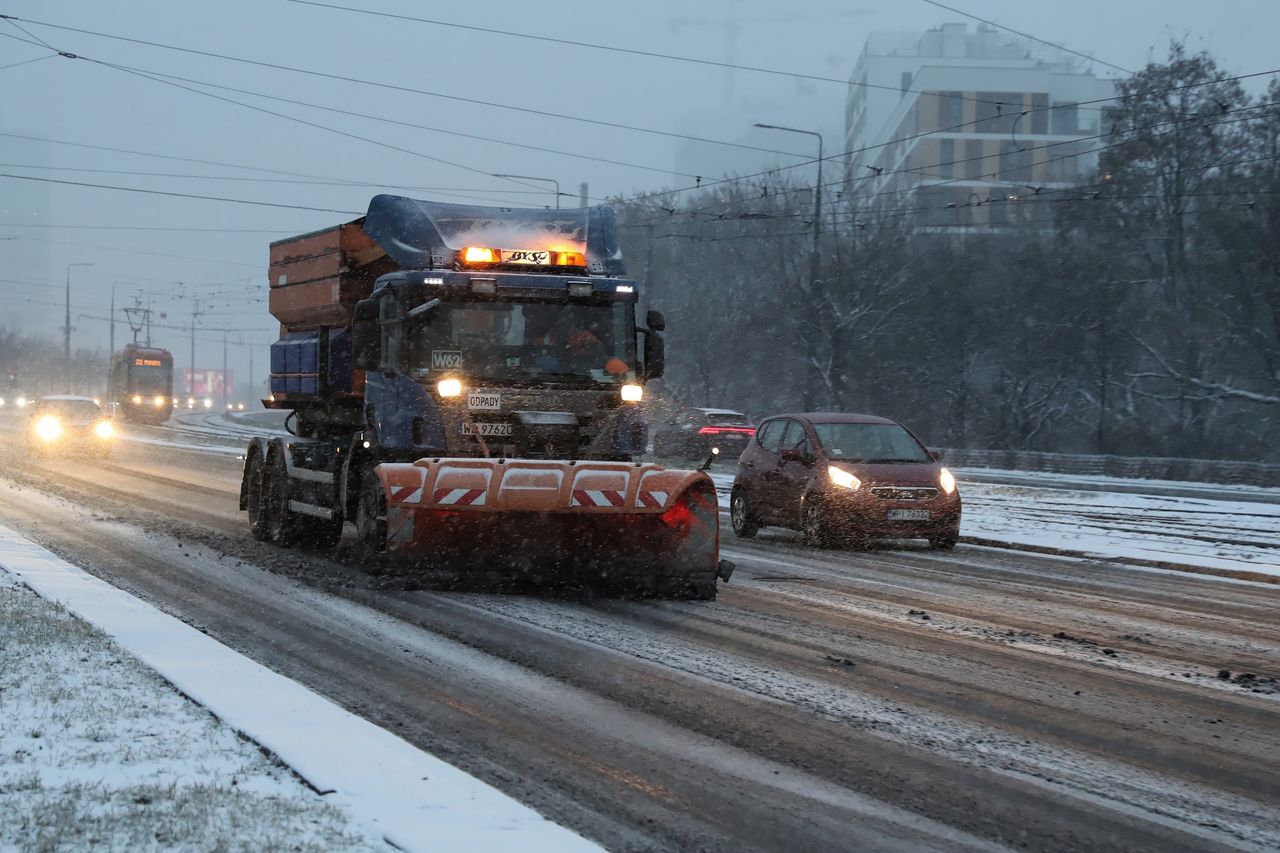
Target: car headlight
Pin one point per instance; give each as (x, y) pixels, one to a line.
(632, 393)
(48, 428)
(1, 401)
(947, 480)
(22, 402)
(104, 429)
(208, 404)
(158, 401)
(843, 478)
(137, 399)
(449, 387)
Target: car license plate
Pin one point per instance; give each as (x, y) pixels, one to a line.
(908, 515)
(482, 402)
(488, 430)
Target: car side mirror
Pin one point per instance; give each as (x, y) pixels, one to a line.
(935, 455)
(366, 337)
(792, 454)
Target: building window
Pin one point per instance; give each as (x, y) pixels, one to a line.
(976, 166)
(1066, 119)
(1040, 113)
(946, 158)
(1014, 163)
(906, 80)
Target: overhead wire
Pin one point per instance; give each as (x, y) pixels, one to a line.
(404, 89)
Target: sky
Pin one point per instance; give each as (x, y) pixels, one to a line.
(559, 96)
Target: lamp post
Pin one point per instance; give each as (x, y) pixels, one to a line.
(66, 329)
(112, 345)
(532, 178)
(813, 253)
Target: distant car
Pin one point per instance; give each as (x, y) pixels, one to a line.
(840, 477)
(693, 432)
(64, 424)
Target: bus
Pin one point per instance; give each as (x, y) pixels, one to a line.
(140, 384)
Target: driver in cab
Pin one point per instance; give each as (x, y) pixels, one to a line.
(560, 341)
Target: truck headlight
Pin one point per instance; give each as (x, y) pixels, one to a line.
(449, 387)
(947, 480)
(632, 393)
(137, 399)
(843, 478)
(104, 429)
(48, 428)
(158, 401)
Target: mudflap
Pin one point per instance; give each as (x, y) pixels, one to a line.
(635, 529)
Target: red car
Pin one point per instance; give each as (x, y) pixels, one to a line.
(835, 476)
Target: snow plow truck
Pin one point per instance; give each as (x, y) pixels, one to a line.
(464, 385)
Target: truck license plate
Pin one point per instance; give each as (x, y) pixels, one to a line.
(488, 430)
(482, 402)
(908, 515)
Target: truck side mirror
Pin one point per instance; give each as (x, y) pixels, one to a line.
(366, 337)
(655, 321)
(655, 355)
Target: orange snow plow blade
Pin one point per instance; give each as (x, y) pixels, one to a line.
(641, 525)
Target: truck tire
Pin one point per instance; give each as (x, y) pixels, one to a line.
(259, 523)
(371, 515)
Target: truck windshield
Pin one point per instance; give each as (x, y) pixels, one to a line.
(522, 341)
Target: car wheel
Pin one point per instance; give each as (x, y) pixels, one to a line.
(945, 542)
(744, 526)
(813, 525)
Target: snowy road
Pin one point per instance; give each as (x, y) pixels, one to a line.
(891, 698)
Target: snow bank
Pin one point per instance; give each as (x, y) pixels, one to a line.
(414, 800)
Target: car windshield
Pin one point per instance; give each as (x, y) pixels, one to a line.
(870, 443)
(524, 341)
(69, 408)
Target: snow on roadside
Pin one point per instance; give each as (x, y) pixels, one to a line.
(96, 750)
(1216, 535)
(405, 796)
(1212, 534)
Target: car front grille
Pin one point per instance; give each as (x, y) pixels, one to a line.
(904, 493)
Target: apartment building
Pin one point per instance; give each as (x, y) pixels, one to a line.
(966, 130)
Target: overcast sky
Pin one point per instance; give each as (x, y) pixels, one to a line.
(80, 101)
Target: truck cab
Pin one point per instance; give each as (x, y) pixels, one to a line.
(488, 361)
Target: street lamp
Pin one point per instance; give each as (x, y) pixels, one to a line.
(66, 329)
(813, 253)
(531, 178)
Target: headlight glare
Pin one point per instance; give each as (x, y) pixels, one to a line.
(104, 429)
(843, 478)
(449, 387)
(947, 480)
(632, 393)
(48, 428)
(158, 401)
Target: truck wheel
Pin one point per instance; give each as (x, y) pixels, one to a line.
(744, 526)
(275, 498)
(259, 525)
(371, 514)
